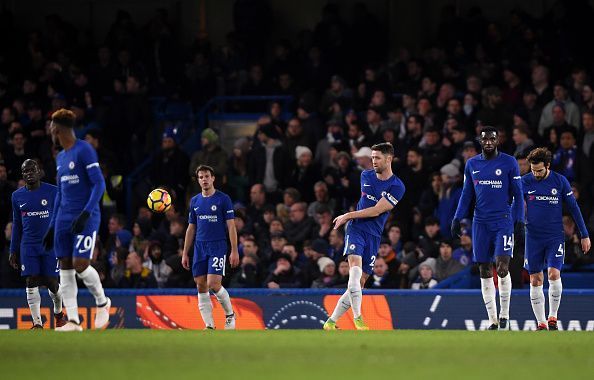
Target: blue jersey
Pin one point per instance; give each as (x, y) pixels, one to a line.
(372, 190)
(544, 206)
(210, 215)
(80, 181)
(496, 187)
(31, 214)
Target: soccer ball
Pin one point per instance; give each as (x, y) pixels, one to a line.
(159, 200)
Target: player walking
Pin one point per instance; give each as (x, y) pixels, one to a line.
(73, 228)
(32, 207)
(211, 216)
(493, 180)
(544, 193)
(381, 190)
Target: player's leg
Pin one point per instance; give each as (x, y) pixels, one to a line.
(63, 241)
(204, 303)
(82, 249)
(503, 250)
(34, 300)
(555, 258)
(344, 303)
(50, 272)
(482, 251)
(216, 271)
(534, 263)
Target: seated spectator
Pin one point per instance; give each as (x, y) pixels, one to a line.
(136, 276)
(388, 255)
(463, 254)
(425, 280)
(445, 265)
(179, 277)
(342, 278)
(324, 221)
(290, 196)
(522, 140)
(564, 159)
(141, 232)
(336, 240)
(300, 227)
(381, 277)
(327, 274)
(323, 198)
(319, 248)
(284, 275)
(430, 238)
(156, 264)
(248, 275)
(305, 173)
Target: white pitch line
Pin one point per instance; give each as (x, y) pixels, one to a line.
(435, 303)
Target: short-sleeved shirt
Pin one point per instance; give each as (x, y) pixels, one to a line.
(210, 215)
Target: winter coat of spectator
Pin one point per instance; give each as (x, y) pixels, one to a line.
(269, 163)
(523, 142)
(284, 275)
(560, 97)
(425, 279)
(322, 200)
(445, 265)
(305, 174)
(565, 158)
(248, 275)
(211, 154)
(136, 276)
(449, 195)
(313, 251)
(156, 264)
(381, 278)
(431, 237)
(327, 276)
(300, 227)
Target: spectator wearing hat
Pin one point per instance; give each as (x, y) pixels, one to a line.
(560, 97)
(317, 249)
(445, 265)
(284, 275)
(449, 194)
(363, 158)
(463, 254)
(211, 154)
(305, 174)
(156, 264)
(248, 275)
(170, 166)
(269, 162)
(425, 279)
(381, 278)
(327, 278)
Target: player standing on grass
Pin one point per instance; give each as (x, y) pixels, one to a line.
(74, 225)
(544, 193)
(381, 190)
(32, 208)
(210, 218)
(493, 180)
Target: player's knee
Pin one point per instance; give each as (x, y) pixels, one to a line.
(485, 270)
(80, 266)
(502, 271)
(51, 283)
(32, 281)
(214, 285)
(554, 275)
(535, 280)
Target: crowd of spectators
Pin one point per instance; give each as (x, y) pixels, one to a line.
(296, 174)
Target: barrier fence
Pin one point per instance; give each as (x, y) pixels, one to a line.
(259, 309)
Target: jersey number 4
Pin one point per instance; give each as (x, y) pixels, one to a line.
(508, 242)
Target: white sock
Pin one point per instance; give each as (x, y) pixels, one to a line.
(69, 290)
(537, 299)
(505, 286)
(488, 290)
(92, 281)
(555, 290)
(354, 290)
(343, 305)
(223, 298)
(205, 307)
(57, 300)
(34, 301)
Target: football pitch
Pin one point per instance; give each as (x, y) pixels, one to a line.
(295, 354)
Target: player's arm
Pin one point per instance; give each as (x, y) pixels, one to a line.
(464, 201)
(234, 256)
(385, 204)
(17, 231)
(48, 238)
(576, 214)
(98, 182)
(189, 239)
(516, 187)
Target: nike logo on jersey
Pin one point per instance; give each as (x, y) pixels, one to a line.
(82, 250)
(195, 208)
(21, 206)
(506, 249)
(557, 255)
(366, 184)
(475, 171)
(533, 191)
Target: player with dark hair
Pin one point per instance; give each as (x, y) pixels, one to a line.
(32, 208)
(210, 219)
(545, 192)
(74, 225)
(381, 190)
(493, 180)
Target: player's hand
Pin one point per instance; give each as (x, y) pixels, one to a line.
(234, 259)
(586, 245)
(340, 220)
(455, 228)
(80, 223)
(48, 239)
(185, 262)
(12, 259)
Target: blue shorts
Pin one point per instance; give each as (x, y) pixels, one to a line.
(67, 244)
(541, 251)
(209, 258)
(360, 243)
(492, 239)
(36, 261)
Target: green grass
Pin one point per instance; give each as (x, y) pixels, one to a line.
(297, 354)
